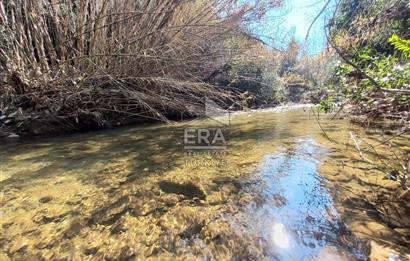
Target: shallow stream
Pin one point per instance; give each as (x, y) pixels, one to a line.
(279, 191)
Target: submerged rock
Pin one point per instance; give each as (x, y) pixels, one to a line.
(191, 231)
(188, 190)
(74, 229)
(45, 199)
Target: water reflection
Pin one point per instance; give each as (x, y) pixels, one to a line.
(280, 236)
(297, 217)
(128, 193)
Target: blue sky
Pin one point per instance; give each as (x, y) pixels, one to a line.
(294, 19)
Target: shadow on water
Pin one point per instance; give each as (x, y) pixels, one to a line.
(125, 153)
(95, 157)
(68, 196)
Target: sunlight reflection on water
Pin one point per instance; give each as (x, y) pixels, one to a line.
(298, 209)
(280, 235)
(65, 197)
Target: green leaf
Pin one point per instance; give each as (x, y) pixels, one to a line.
(400, 44)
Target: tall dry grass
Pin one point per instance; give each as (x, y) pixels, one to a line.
(86, 60)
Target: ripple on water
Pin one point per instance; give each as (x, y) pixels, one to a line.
(129, 193)
(296, 216)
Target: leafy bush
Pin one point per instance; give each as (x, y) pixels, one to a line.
(400, 44)
(327, 105)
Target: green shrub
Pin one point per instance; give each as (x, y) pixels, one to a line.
(400, 44)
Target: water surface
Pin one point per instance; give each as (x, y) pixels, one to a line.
(136, 193)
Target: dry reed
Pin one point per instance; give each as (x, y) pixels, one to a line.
(76, 61)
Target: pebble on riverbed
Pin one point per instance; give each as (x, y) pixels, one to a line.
(45, 199)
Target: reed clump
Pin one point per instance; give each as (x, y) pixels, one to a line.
(87, 62)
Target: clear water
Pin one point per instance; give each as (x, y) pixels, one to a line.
(136, 193)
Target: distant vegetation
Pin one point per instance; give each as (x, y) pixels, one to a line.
(79, 64)
(272, 77)
(70, 65)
